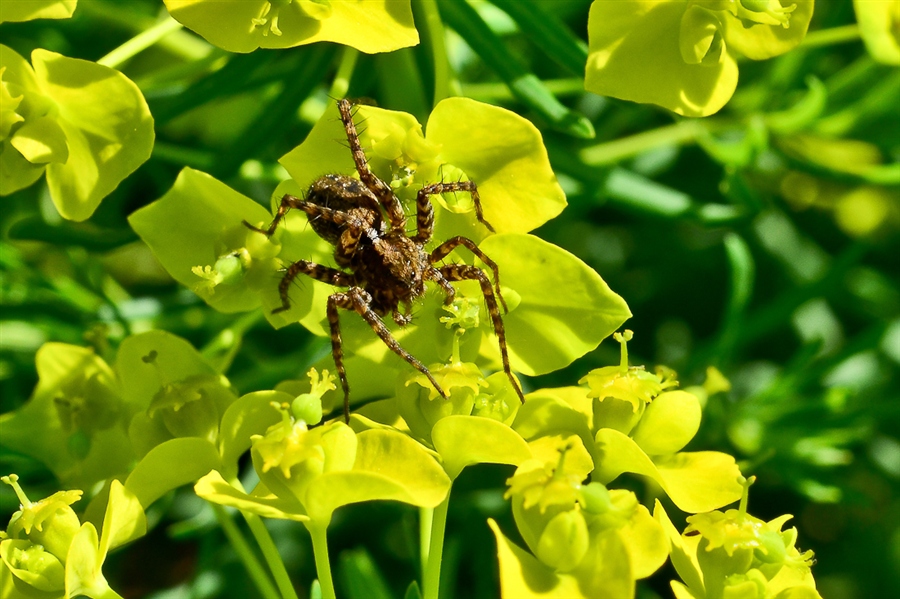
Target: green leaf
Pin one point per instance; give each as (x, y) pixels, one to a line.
(638, 53)
(467, 440)
(547, 331)
(193, 225)
(146, 362)
(22, 100)
(683, 552)
(669, 422)
(759, 41)
(546, 412)
(170, 465)
(26, 10)
(523, 576)
(878, 27)
(604, 571)
(245, 25)
(15, 171)
(505, 155)
(249, 415)
(695, 481)
(83, 575)
(362, 578)
(40, 141)
(108, 128)
(262, 502)
(124, 520)
(174, 390)
(389, 466)
(646, 543)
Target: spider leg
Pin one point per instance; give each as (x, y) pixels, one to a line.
(425, 211)
(359, 300)
(460, 272)
(382, 190)
(287, 202)
(441, 251)
(435, 275)
(335, 301)
(326, 274)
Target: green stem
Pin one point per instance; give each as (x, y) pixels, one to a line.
(341, 83)
(432, 582)
(610, 152)
(323, 564)
(828, 37)
(426, 517)
(140, 42)
(271, 555)
(487, 92)
(222, 350)
(446, 84)
(181, 43)
(245, 553)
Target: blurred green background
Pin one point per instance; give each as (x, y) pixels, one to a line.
(757, 241)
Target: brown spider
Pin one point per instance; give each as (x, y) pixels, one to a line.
(386, 267)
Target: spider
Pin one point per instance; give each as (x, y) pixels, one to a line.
(383, 267)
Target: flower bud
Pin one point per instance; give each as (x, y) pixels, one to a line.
(564, 541)
(31, 564)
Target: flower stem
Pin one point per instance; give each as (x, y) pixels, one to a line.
(445, 82)
(140, 42)
(320, 552)
(432, 577)
(828, 37)
(341, 83)
(611, 152)
(426, 517)
(245, 554)
(270, 553)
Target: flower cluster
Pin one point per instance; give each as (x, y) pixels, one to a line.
(46, 551)
(682, 55)
(52, 122)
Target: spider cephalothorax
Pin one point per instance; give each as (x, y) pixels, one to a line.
(384, 269)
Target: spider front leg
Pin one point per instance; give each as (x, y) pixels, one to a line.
(425, 211)
(359, 300)
(382, 190)
(460, 272)
(326, 274)
(441, 252)
(287, 202)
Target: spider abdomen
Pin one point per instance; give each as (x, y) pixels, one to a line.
(392, 270)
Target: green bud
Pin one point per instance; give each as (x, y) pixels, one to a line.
(50, 522)
(564, 541)
(33, 565)
(771, 549)
(749, 585)
(595, 499)
(307, 407)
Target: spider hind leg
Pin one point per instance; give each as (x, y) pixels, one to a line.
(461, 272)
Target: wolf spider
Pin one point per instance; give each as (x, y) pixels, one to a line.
(384, 267)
